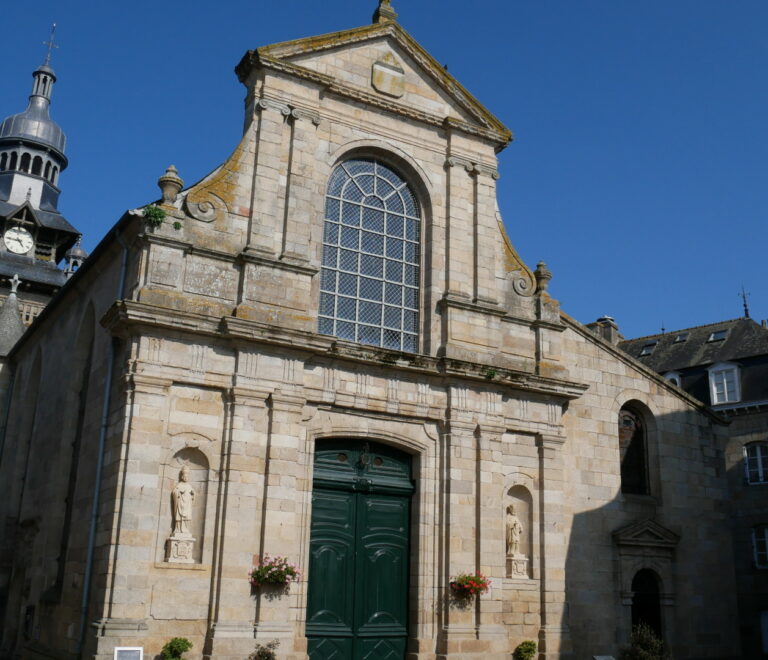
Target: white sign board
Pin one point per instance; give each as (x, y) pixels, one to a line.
(129, 653)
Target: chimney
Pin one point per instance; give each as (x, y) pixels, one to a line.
(605, 327)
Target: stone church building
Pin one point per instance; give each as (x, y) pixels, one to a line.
(329, 350)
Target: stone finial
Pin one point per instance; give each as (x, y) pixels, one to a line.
(15, 281)
(543, 275)
(170, 184)
(384, 12)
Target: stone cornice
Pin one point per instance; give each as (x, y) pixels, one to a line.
(395, 31)
(331, 85)
(124, 315)
(461, 302)
(262, 259)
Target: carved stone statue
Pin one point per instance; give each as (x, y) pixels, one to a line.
(183, 499)
(179, 548)
(514, 532)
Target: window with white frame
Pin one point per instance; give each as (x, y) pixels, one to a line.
(756, 462)
(760, 545)
(369, 282)
(724, 384)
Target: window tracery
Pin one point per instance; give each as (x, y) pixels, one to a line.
(371, 257)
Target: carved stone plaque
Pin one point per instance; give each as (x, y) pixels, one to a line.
(388, 77)
(180, 550)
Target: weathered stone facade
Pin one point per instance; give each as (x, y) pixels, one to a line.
(198, 346)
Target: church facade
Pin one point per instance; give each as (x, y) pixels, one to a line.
(329, 351)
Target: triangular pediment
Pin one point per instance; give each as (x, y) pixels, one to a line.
(24, 213)
(646, 533)
(382, 62)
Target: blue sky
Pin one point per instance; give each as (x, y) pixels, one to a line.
(638, 172)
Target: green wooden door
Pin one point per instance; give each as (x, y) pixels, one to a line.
(357, 605)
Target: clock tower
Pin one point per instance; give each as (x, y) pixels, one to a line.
(35, 238)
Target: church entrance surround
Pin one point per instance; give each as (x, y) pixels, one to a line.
(357, 604)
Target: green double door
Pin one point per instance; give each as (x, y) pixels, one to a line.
(357, 605)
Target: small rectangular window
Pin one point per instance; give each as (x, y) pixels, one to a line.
(760, 545)
(679, 339)
(717, 335)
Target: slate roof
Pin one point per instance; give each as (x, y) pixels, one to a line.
(46, 218)
(744, 338)
(30, 269)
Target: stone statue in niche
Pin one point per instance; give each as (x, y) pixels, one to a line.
(514, 532)
(183, 499)
(180, 546)
(517, 562)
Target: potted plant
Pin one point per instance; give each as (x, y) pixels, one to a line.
(176, 648)
(274, 571)
(525, 650)
(265, 651)
(467, 585)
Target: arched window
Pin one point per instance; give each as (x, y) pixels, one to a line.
(370, 276)
(25, 160)
(14, 160)
(632, 445)
(37, 165)
(48, 170)
(55, 175)
(3, 161)
(756, 462)
(646, 601)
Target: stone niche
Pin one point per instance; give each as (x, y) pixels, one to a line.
(172, 546)
(519, 558)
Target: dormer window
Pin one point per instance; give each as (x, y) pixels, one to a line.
(648, 348)
(724, 386)
(680, 338)
(673, 377)
(717, 335)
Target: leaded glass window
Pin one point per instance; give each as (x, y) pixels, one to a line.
(369, 282)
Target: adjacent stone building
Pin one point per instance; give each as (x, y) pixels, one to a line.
(328, 349)
(725, 364)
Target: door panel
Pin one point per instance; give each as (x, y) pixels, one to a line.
(359, 553)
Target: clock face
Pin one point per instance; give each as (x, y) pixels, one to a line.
(18, 240)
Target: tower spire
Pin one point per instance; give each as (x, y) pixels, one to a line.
(51, 45)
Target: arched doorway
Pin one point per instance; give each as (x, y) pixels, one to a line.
(357, 602)
(646, 600)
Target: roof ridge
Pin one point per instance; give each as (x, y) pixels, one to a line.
(693, 327)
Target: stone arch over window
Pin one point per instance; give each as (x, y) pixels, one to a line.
(37, 166)
(197, 466)
(26, 159)
(371, 273)
(14, 160)
(633, 448)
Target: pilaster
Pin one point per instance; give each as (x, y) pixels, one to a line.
(554, 636)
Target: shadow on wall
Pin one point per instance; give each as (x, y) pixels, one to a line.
(658, 548)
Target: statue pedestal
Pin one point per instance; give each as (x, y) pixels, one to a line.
(517, 566)
(179, 549)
